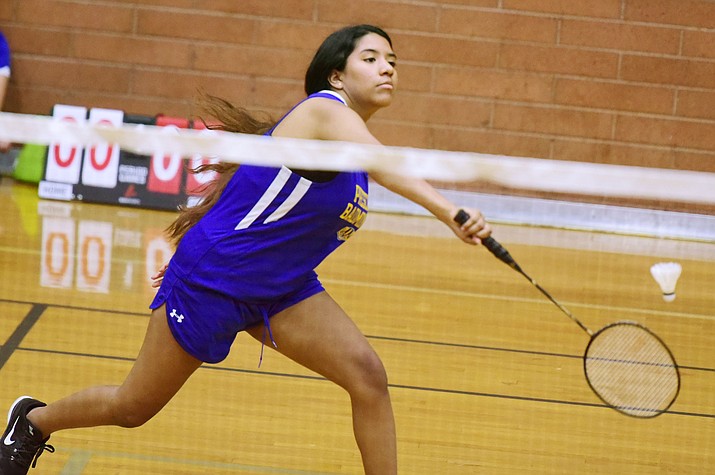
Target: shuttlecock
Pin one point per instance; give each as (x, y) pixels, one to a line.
(666, 274)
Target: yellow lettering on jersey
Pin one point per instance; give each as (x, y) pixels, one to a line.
(360, 197)
(356, 212)
(345, 233)
(347, 211)
(354, 215)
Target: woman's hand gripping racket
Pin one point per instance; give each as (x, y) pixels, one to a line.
(628, 366)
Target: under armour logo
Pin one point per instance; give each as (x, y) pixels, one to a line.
(179, 317)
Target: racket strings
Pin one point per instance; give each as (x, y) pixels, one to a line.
(632, 370)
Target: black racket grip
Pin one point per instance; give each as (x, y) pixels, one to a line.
(490, 243)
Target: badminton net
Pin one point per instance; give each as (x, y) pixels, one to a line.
(506, 172)
(456, 328)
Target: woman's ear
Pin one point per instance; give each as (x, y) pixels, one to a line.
(335, 79)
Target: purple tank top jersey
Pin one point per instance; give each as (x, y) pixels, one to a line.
(269, 230)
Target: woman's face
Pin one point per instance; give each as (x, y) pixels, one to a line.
(369, 79)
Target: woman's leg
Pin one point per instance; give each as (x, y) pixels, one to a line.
(160, 370)
(319, 335)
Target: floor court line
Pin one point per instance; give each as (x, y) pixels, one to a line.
(458, 293)
(80, 458)
(453, 293)
(506, 350)
(14, 341)
(373, 337)
(77, 462)
(512, 298)
(391, 385)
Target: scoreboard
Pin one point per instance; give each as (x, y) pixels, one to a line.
(104, 173)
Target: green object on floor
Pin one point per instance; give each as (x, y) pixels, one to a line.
(31, 163)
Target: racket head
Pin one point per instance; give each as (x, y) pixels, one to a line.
(631, 369)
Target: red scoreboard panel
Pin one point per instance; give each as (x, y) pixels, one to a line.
(106, 174)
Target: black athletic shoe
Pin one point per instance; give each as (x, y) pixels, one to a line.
(21, 443)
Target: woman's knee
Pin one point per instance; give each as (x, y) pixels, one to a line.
(371, 377)
(131, 412)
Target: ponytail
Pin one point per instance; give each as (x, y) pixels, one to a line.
(230, 119)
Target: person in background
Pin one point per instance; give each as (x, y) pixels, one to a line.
(4, 79)
(245, 260)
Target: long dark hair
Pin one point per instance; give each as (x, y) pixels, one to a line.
(333, 54)
(230, 118)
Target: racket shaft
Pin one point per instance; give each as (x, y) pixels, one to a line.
(503, 255)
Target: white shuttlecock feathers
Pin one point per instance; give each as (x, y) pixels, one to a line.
(667, 275)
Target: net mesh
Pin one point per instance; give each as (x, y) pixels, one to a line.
(467, 342)
(632, 370)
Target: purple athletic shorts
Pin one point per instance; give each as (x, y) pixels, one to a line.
(205, 323)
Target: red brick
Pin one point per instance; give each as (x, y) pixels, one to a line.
(613, 153)
(261, 61)
(291, 35)
(703, 162)
(152, 106)
(699, 43)
(674, 133)
(615, 96)
(587, 8)
(387, 15)
(401, 135)
(440, 50)
(491, 141)
(135, 104)
(452, 95)
(71, 14)
(38, 41)
(132, 50)
(420, 108)
(559, 60)
(413, 77)
(195, 26)
(473, 3)
(672, 12)
(494, 84)
(696, 104)
(620, 36)
(293, 9)
(259, 95)
(167, 3)
(182, 85)
(5, 11)
(680, 72)
(272, 95)
(33, 100)
(504, 25)
(71, 75)
(553, 121)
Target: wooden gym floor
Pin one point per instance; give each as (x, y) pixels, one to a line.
(485, 373)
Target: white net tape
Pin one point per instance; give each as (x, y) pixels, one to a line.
(513, 172)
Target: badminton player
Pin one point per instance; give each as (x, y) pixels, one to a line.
(245, 260)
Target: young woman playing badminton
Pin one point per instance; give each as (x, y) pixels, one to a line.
(245, 261)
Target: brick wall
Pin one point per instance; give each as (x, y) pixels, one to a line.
(610, 81)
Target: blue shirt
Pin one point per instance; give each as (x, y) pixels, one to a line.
(4, 56)
(269, 230)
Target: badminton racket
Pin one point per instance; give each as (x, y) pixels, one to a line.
(626, 365)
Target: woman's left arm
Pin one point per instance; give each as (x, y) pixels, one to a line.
(421, 192)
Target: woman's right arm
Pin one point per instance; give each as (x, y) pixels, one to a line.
(326, 119)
